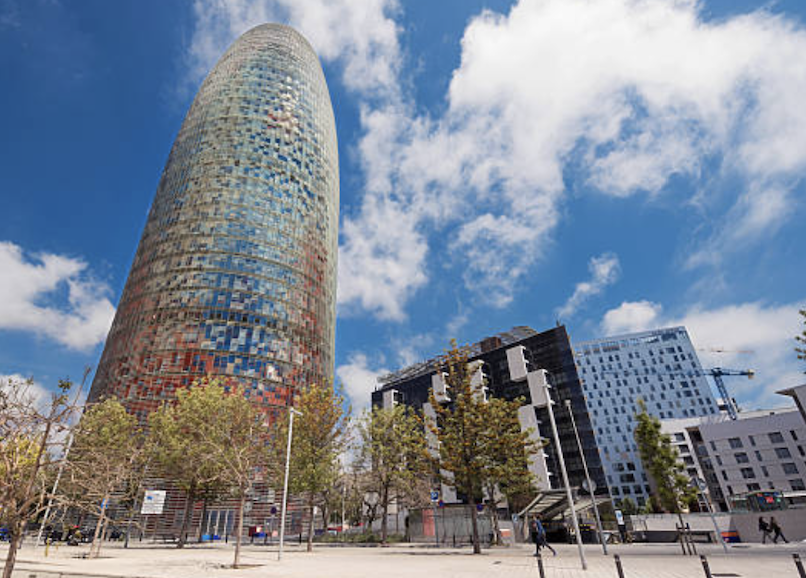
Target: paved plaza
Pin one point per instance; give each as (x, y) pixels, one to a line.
(639, 561)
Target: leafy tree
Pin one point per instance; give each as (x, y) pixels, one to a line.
(662, 462)
(627, 507)
(105, 458)
(393, 451)
(318, 439)
(505, 456)
(801, 351)
(461, 428)
(28, 446)
(237, 446)
(181, 435)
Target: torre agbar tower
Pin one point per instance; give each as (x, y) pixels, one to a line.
(235, 274)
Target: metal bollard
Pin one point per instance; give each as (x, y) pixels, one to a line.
(799, 565)
(619, 569)
(540, 568)
(705, 566)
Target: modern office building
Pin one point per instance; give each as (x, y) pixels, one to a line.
(507, 365)
(235, 273)
(761, 451)
(661, 368)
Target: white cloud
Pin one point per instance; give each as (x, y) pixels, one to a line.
(605, 270)
(631, 316)
(359, 379)
(33, 390)
(748, 336)
(25, 285)
(628, 93)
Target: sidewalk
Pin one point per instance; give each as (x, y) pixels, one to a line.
(144, 560)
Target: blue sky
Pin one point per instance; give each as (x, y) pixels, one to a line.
(614, 164)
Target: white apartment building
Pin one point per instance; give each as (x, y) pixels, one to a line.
(762, 450)
(661, 368)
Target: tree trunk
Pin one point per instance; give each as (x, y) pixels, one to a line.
(201, 520)
(13, 546)
(98, 535)
(310, 524)
(238, 531)
(475, 525)
(496, 526)
(190, 501)
(384, 515)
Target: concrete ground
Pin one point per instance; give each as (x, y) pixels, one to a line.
(144, 560)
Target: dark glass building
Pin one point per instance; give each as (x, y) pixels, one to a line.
(550, 350)
(235, 274)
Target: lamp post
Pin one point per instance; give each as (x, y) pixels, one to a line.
(591, 487)
(701, 486)
(291, 412)
(561, 459)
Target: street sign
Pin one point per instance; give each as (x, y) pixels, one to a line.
(592, 488)
(434, 495)
(153, 502)
(273, 510)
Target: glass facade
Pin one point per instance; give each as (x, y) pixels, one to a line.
(235, 274)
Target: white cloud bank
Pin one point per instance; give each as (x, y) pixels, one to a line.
(767, 332)
(25, 285)
(605, 270)
(359, 379)
(629, 92)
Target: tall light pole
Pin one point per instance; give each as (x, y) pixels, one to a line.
(561, 458)
(702, 487)
(69, 444)
(291, 412)
(591, 487)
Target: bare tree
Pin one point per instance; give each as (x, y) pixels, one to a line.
(29, 444)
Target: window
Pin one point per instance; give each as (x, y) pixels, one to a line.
(764, 471)
(741, 458)
(790, 468)
(718, 459)
(736, 443)
(776, 437)
(758, 455)
(753, 487)
(752, 440)
(748, 473)
(797, 484)
(782, 453)
(794, 434)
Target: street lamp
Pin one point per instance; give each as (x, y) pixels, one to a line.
(291, 412)
(591, 486)
(561, 458)
(701, 486)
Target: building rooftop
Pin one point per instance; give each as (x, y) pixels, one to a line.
(503, 339)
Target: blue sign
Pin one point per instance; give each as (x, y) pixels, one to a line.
(434, 495)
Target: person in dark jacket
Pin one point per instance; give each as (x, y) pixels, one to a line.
(538, 535)
(764, 528)
(776, 531)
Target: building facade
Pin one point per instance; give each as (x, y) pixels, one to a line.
(762, 450)
(508, 365)
(235, 273)
(659, 367)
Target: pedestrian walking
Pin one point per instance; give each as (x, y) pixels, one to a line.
(776, 531)
(538, 535)
(764, 528)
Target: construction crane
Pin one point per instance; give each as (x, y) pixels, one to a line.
(717, 373)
